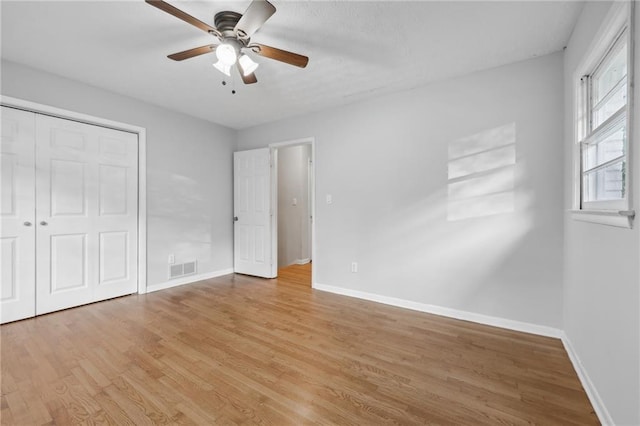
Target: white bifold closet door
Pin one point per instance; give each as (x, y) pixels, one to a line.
(85, 223)
(87, 213)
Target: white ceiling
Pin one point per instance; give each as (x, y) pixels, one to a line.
(357, 49)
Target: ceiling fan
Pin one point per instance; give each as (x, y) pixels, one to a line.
(234, 31)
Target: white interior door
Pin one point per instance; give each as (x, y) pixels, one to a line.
(86, 213)
(17, 210)
(252, 213)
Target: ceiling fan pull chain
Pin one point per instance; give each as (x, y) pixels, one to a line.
(233, 84)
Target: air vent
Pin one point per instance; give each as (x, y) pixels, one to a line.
(182, 269)
(176, 270)
(189, 268)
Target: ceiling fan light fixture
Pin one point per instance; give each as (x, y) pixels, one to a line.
(227, 54)
(234, 31)
(247, 64)
(223, 68)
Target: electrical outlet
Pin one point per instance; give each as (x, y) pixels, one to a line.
(354, 267)
(172, 259)
(329, 199)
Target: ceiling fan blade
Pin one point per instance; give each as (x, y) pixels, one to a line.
(171, 10)
(247, 79)
(196, 51)
(256, 14)
(280, 55)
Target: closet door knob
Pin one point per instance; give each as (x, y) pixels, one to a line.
(27, 223)
(43, 223)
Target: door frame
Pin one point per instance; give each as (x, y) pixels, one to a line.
(38, 108)
(274, 200)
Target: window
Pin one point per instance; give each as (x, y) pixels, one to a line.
(604, 146)
(603, 120)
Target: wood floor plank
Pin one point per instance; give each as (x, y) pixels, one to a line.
(238, 350)
(18, 408)
(115, 412)
(37, 409)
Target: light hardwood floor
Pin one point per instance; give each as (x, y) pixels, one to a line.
(241, 350)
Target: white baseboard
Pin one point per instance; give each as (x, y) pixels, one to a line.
(587, 384)
(302, 261)
(446, 312)
(188, 280)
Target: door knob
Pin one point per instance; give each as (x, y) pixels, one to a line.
(43, 223)
(235, 218)
(27, 223)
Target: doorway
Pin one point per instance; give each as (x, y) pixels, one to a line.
(293, 195)
(256, 211)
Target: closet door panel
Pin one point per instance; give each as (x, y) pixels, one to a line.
(117, 214)
(64, 246)
(17, 210)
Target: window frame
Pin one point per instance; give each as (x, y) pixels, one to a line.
(617, 29)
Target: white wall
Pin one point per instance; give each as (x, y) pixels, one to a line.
(387, 164)
(293, 220)
(189, 168)
(602, 282)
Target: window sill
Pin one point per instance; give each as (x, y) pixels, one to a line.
(618, 218)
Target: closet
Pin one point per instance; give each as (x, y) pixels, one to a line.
(68, 214)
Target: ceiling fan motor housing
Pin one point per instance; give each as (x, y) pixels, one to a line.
(225, 22)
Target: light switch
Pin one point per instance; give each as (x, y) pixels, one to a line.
(329, 199)
(295, 201)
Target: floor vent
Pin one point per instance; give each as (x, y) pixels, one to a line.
(182, 269)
